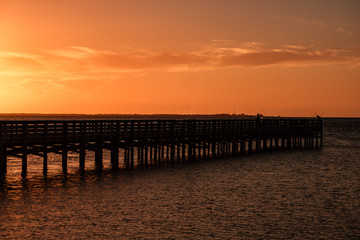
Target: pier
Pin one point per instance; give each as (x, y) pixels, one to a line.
(153, 142)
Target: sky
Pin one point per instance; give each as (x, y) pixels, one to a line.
(273, 57)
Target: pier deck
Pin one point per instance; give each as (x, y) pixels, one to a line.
(146, 142)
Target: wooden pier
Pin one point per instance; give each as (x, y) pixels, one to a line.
(153, 142)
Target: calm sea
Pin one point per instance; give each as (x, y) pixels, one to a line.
(298, 194)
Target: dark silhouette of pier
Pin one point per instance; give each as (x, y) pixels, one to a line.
(153, 142)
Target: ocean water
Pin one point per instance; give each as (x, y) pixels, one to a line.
(298, 194)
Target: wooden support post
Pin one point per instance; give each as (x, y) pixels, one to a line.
(283, 142)
(24, 150)
(205, 144)
(228, 147)
(151, 152)
(162, 151)
(172, 151)
(45, 152)
(126, 157)
(317, 136)
(213, 148)
(98, 155)
(64, 158)
(24, 161)
(3, 154)
(140, 154)
(234, 150)
(146, 155)
(288, 143)
(132, 144)
(257, 145)
(289, 134)
(250, 145)
(155, 154)
(321, 132)
(99, 147)
(222, 148)
(257, 137)
(132, 155)
(276, 135)
(234, 144)
(64, 148)
(45, 160)
(209, 149)
(114, 156)
(190, 151)
(82, 154)
(264, 148)
(167, 153)
(183, 149)
(146, 135)
(3, 160)
(214, 138)
(218, 147)
(171, 142)
(178, 151)
(241, 146)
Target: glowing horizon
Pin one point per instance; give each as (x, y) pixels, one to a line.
(180, 57)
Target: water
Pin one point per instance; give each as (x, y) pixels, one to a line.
(294, 194)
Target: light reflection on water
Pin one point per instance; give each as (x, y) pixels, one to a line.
(294, 194)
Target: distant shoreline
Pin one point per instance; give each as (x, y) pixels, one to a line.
(124, 116)
(38, 116)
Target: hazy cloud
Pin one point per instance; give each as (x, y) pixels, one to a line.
(316, 22)
(57, 67)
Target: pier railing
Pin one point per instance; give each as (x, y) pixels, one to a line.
(154, 141)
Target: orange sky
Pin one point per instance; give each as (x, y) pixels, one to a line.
(275, 57)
